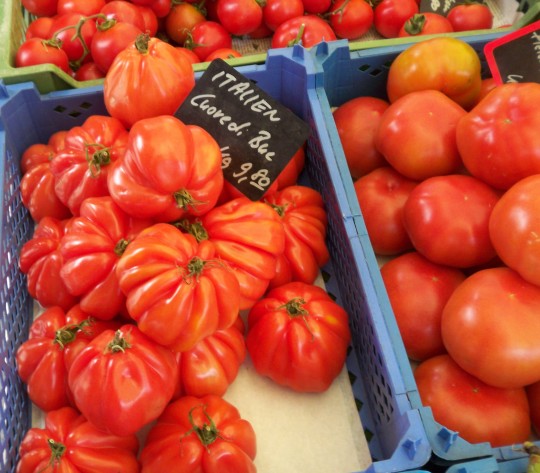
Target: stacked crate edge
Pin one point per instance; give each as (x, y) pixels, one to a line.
(348, 73)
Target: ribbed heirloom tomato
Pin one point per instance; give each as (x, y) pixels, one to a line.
(298, 337)
(68, 442)
(178, 290)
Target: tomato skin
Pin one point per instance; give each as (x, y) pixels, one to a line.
(456, 208)
(223, 53)
(40, 259)
(444, 63)
(351, 19)
(233, 450)
(533, 395)
(87, 448)
(304, 220)
(470, 16)
(124, 12)
(501, 127)
(381, 195)
(417, 134)
(169, 170)
(35, 51)
(40, 7)
(517, 209)
(424, 24)
(213, 363)
(298, 337)
(307, 29)
(249, 236)
(39, 28)
(390, 15)
(181, 19)
(357, 122)
(81, 167)
(206, 37)
(419, 319)
(122, 380)
(147, 79)
(90, 248)
(489, 326)
(317, 6)
(276, 12)
(109, 39)
(86, 8)
(239, 17)
(177, 290)
(463, 403)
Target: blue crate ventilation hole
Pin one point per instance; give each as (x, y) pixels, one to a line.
(397, 438)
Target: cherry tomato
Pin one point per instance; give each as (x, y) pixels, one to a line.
(447, 220)
(489, 327)
(35, 51)
(240, 17)
(181, 20)
(381, 194)
(390, 15)
(40, 7)
(424, 24)
(316, 6)
(477, 411)
(470, 16)
(84, 7)
(351, 19)
(39, 28)
(276, 12)
(417, 134)
(75, 43)
(419, 318)
(307, 30)
(123, 11)
(88, 71)
(357, 122)
(223, 53)
(206, 37)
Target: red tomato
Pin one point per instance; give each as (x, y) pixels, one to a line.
(110, 38)
(124, 12)
(214, 438)
(304, 218)
(419, 318)
(390, 15)
(443, 63)
(54, 336)
(497, 139)
(447, 220)
(84, 7)
(147, 79)
(351, 19)
(37, 185)
(40, 7)
(121, 380)
(223, 53)
(89, 71)
(206, 37)
(261, 32)
(75, 32)
(417, 134)
(489, 327)
(357, 122)
(477, 411)
(213, 363)
(488, 84)
(68, 442)
(39, 28)
(533, 394)
(178, 291)
(517, 210)
(81, 168)
(151, 22)
(161, 8)
(181, 20)
(249, 236)
(317, 6)
(189, 54)
(298, 337)
(169, 170)
(40, 259)
(382, 194)
(307, 30)
(91, 248)
(470, 16)
(424, 24)
(240, 17)
(276, 12)
(35, 51)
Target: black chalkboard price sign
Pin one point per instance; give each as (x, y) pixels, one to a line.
(442, 7)
(515, 57)
(257, 134)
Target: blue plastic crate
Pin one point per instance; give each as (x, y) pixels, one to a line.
(344, 73)
(396, 436)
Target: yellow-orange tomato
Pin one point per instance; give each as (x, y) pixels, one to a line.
(447, 64)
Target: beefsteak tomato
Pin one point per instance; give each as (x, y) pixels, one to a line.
(298, 337)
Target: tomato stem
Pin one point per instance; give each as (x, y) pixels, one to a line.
(141, 43)
(100, 157)
(295, 309)
(118, 343)
(57, 450)
(68, 334)
(207, 433)
(184, 200)
(415, 24)
(195, 229)
(298, 37)
(339, 11)
(120, 247)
